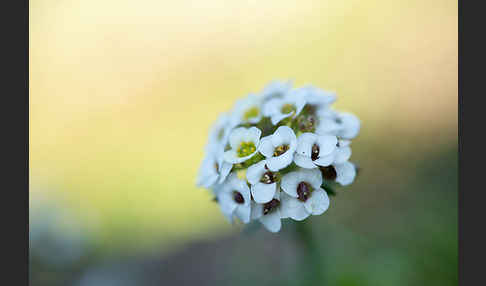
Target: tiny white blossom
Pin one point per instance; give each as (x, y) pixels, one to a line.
(219, 133)
(213, 170)
(262, 180)
(234, 199)
(303, 194)
(244, 143)
(276, 89)
(268, 213)
(288, 106)
(342, 124)
(318, 97)
(345, 173)
(342, 173)
(248, 109)
(315, 150)
(279, 148)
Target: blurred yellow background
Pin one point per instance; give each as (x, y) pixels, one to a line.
(122, 94)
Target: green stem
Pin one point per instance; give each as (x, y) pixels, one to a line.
(312, 272)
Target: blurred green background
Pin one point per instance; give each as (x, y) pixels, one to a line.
(122, 94)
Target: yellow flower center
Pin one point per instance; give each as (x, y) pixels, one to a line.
(280, 150)
(245, 149)
(251, 113)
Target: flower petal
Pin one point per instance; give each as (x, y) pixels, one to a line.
(256, 211)
(226, 203)
(325, 160)
(299, 104)
(271, 221)
(292, 208)
(230, 156)
(342, 155)
(311, 176)
(225, 169)
(290, 182)
(276, 118)
(351, 125)
(304, 161)
(266, 147)
(255, 172)
(263, 193)
(280, 162)
(327, 144)
(305, 143)
(286, 135)
(346, 172)
(253, 134)
(243, 213)
(240, 186)
(276, 89)
(318, 202)
(271, 107)
(237, 136)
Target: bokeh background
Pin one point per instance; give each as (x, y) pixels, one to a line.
(122, 94)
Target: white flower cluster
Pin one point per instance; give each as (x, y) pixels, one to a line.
(277, 154)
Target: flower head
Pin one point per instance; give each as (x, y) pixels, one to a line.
(278, 154)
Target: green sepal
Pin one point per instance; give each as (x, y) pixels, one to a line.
(330, 190)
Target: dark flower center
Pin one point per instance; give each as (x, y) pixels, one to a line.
(315, 152)
(307, 123)
(271, 205)
(329, 173)
(238, 197)
(303, 191)
(268, 178)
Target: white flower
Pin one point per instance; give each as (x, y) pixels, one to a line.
(283, 174)
(234, 199)
(262, 180)
(315, 150)
(244, 143)
(248, 110)
(303, 194)
(280, 108)
(213, 170)
(218, 134)
(316, 96)
(276, 89)
(341, 124)
(342, 173)
(279, 148)
(268, 213)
